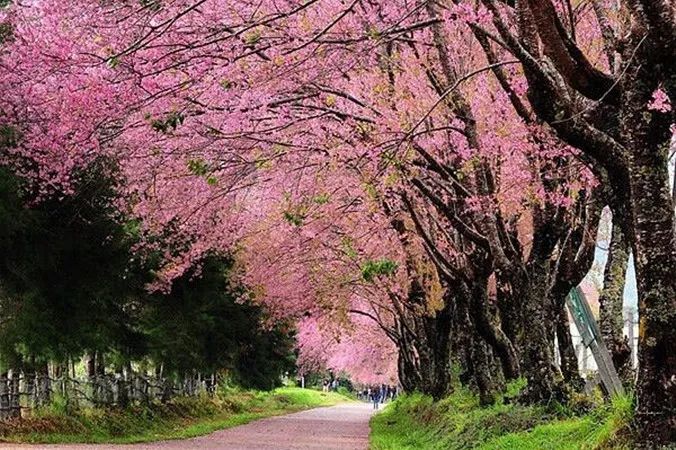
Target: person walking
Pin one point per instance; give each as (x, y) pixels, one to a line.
(375, 393)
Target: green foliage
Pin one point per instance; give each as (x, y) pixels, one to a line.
(515, 388)
(179, 419)
(322, 199)
(65, 271)
(348, 247)
(113, 62)
(607, 427)
(363, 130)
(167, 124)
(198, 167)
(70, 287)
(252, 37)
(8, 135)
(294, 217)
(371, 191)
(458, 422)
(6, 32)
(201, 326)
(344, 391)
(379, 267)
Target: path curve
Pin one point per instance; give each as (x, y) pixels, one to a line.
(341, 427)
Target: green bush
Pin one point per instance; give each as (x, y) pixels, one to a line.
(342, 390)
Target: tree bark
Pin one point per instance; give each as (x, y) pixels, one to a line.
(569, 364)
(408, 375)
(489, 329)
(477, 369)
(611, 303)
(424, 359)
(536, 351)
(654, 249)
(407, 361)
(436, 355)
(100, 363)
(482, 373)
(91, 365)
(510, 313)
(633, 155)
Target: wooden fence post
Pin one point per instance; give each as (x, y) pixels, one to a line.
(15, 393)
(4, 395)
(591, 337)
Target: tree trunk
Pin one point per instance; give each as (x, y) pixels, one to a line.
(91, 365)
(569, 364)
(510, 313)
(634, 155)
(647, 134)
(425, 345)
(656, 279)
(461, 337)
(536, 351)
(407, 360)
(482, 373)
(433, 348)
(489, 329)
(476, 368)
(611, 303)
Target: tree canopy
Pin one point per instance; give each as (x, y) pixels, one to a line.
(433, 170)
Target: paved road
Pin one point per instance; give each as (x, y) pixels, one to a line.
(342, 427)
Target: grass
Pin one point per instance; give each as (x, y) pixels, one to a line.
(458, 422)
(179, 419)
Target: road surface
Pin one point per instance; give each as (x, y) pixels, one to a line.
(342, 427)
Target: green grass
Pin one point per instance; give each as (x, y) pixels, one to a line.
(179, 419)
(458, 422)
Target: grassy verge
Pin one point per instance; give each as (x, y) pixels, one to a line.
(179, 419)
(458, 422)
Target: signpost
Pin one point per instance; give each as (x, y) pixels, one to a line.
(591, 338)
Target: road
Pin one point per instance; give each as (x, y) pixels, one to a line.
(342, 427)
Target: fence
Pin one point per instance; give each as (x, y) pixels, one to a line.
(21, 392)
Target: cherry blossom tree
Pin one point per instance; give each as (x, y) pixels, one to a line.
(618, 113)
(425, 165)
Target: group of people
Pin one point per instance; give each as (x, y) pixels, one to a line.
(378, 394)
(331, 385)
